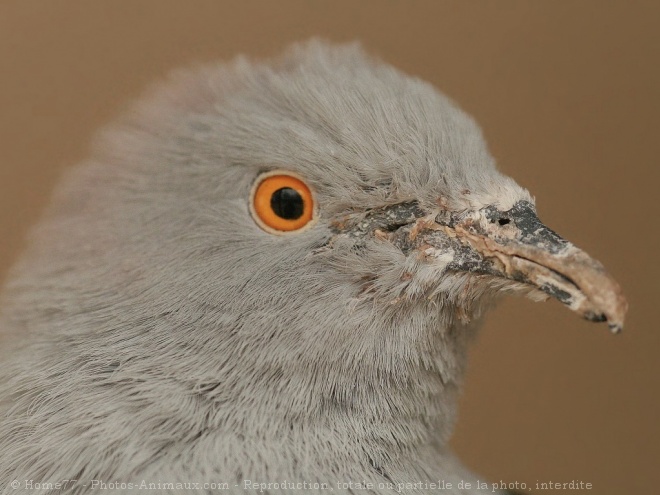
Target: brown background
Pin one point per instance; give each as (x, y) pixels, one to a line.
(568, 96)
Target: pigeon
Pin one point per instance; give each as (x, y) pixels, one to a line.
(265, 279)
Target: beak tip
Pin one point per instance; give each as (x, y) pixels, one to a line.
(616, 328)
(620, 309)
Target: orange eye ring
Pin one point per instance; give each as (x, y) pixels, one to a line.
(281, 203)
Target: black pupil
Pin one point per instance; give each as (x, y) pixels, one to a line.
(287, 203)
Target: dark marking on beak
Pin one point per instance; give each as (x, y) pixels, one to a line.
(512, 244)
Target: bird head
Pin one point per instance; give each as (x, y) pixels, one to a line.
(320, 230)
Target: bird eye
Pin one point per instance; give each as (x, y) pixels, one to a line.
(281, 202)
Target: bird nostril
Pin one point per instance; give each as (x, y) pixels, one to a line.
(503, 221)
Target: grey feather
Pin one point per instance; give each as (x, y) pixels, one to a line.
(159, 334)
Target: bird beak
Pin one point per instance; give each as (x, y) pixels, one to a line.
(515, 245)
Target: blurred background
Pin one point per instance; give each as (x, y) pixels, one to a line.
(568, 95)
